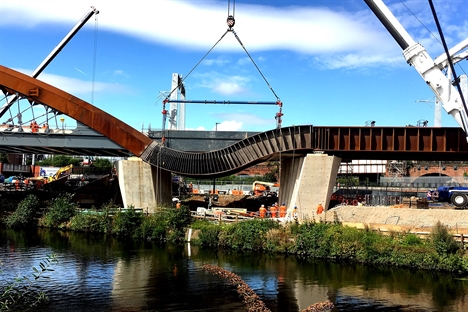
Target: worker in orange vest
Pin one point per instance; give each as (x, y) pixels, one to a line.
(273, 211)
(295, 213)
(262, 211)
(178, 205)
(282, 210)
(319, 208)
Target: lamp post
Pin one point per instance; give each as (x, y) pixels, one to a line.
(216, 126)
(62, 120)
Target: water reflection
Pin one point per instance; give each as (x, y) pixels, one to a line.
(100, 274)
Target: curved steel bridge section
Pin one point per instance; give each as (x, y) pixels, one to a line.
(401, 143)
(38, 92)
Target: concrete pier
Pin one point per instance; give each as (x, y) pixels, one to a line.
(142, 185)
(307, 181)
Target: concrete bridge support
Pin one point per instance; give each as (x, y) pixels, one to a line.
(308, 181)
(142, 185)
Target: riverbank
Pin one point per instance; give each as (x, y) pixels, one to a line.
(324, 236)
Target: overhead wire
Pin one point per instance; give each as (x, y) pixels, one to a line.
(428, 30)
(449, 59)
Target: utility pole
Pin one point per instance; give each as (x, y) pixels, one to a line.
(437, 111)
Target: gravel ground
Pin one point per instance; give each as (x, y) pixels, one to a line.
(418, 218)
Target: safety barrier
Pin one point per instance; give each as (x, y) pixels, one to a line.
(382, 200)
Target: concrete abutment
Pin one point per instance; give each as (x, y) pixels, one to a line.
(142, 185)
(307, 181)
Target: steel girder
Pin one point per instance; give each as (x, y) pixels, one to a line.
(348, 143)
(394, 143)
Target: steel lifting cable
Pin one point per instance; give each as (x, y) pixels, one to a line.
(183, 78)
(266, 81)
(233, 8)
(230, 22)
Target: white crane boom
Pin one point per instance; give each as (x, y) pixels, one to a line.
(430, 70)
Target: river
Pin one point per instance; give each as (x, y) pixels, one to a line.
(101, 274)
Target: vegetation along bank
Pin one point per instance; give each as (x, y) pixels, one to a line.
(310, 239)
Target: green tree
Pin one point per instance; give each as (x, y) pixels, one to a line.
(61, 210)
(4, 159)
(102, 163)
(24, 214)
(59, 161)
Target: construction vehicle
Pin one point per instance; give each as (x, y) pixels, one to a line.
(457, 195)
(432, 71)
(260, 188)
(64, 171)
(42, 179)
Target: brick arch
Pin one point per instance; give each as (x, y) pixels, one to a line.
(13, 82)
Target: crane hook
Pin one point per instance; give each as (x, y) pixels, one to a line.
(230, 22)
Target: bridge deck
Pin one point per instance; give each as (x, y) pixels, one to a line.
(396, 143)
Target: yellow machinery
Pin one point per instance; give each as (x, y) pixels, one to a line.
(60, 173)
(260, 188)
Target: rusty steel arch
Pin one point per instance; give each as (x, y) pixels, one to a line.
(13, 82)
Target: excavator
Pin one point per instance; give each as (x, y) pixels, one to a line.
(41, 180)
(260, 188)
(60, 173)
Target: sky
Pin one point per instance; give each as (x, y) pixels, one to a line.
(330, 62)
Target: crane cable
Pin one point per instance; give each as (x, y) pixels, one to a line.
(449, 59)
(230, 22)
(183, 78)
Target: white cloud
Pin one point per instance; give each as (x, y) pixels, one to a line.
(313, 31)
(220, 61)
(248, 119)
(228, 125)
(75, 86)
(222, 84)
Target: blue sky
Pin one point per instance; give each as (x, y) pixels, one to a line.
(331, 62)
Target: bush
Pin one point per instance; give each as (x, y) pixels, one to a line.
(279, 240)
(94, 220)
(177, 221)
(154, 227)
(442, 240)
(127, 223)
(209, 234)
(247, 235)
(61, 210)
(91, 221)
(24, 215)
(412, 240)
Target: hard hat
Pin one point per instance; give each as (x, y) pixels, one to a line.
(295, 206)
(283, 203)
(263, 206)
